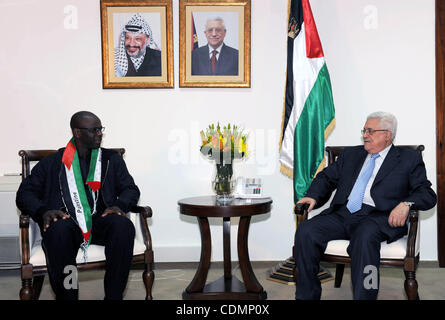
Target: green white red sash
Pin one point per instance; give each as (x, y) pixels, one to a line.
(77, 189)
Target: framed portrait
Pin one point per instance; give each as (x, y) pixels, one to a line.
(214, 43)
(137, 50)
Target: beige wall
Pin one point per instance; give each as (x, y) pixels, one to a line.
(380, 55)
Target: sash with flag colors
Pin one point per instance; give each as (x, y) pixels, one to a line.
(78, 195)
(309, 114)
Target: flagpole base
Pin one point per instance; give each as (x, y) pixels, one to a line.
(284, 273)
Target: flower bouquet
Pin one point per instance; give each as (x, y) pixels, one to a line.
(224, 145)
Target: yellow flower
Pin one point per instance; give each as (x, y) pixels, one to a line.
(246, 152)
(203, 138)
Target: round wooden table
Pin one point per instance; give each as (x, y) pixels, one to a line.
(227, 287)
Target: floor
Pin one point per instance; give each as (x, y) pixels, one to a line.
(172, 278)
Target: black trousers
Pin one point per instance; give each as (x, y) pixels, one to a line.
(365, 233)
(62, 240)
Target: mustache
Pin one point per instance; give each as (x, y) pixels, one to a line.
(133, 47)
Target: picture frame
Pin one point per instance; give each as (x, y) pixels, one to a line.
(220, 25)
(137, 43)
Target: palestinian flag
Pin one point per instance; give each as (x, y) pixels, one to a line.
(309, 115)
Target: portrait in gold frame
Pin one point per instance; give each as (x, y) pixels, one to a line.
(231, 67)
(122, 66)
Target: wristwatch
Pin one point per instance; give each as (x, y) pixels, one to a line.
(408, 203)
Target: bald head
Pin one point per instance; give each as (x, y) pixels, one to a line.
(87, 131)
(78, 119)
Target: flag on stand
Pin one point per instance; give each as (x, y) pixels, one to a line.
(309, 115)
(194, 36)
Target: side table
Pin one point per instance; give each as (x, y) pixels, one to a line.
(229, 286)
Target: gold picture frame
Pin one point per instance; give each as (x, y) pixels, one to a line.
(198, 19)
(126, 27)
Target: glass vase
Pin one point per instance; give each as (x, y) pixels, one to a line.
(223, 183)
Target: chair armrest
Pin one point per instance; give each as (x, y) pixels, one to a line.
(413, 217)
(24, 238)
(146, 211)
(301, 211)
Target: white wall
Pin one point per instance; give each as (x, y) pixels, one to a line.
(49, 72)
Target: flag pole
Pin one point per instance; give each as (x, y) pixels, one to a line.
(312, 114)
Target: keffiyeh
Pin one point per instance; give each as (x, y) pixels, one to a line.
(137, 24)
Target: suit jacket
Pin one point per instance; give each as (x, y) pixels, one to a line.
(151, 66)
(402, 177)
(226, 65)
(41, 190)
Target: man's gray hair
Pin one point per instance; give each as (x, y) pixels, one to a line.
(387, 121)
(215, 19)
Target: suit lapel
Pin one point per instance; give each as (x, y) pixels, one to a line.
(358, 164)
(391, 160)
(205, 61)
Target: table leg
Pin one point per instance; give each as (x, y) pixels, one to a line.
(200, 278)
(226, 246)
(250, 281)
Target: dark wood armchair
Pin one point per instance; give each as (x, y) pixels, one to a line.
(403, 253)
(33, 263)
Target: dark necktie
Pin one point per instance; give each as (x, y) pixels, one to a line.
(213, 60)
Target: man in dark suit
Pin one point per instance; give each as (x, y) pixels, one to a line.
(79, 196)
(376, 184)
(215, 58)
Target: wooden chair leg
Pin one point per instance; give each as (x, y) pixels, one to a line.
(295, 271)
(411, 286)
(26, 292)
(339, 269)
(37, 286)
(148, 275)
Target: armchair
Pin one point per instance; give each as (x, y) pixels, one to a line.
(33, 262)
(403, 253)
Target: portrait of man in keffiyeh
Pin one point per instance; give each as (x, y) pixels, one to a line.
(137, 54)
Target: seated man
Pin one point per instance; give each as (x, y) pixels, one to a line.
(375, 185)
(78, 196)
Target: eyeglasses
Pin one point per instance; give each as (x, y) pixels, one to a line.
(94, 130)
(371, 131)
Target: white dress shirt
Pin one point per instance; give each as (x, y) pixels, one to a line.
(218, 50)
(367, 199)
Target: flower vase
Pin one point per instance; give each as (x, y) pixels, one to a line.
(223, 183)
